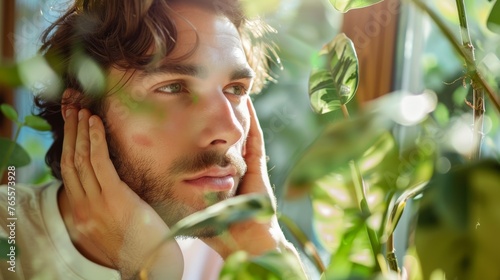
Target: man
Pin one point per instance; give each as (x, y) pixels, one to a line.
(172, 131)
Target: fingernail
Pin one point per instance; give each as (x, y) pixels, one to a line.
(80, 115)
(91, 121)
(69, 112)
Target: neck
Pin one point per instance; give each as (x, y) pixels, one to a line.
(81, 243)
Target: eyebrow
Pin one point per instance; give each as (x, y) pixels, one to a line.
(180, 69)
(201, 72)
(243, 73)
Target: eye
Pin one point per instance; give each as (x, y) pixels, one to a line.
(236, 89)
(173, 88)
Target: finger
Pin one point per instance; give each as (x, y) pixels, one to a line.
(69, 174)
(99, 155)
(255, 150)
(83, 166)
(256, 179)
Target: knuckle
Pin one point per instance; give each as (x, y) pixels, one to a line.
(67, 158)
(80, 215)
(82, 174)
(80, 159)
(66, 172)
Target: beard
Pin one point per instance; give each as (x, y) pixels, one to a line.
(158, 188)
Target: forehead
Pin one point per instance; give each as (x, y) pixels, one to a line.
(204, 41)
(201, 32)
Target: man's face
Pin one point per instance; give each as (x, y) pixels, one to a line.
(185, 150)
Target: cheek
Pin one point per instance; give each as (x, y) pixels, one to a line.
(142, 140)
(242, 114)
(245, 120)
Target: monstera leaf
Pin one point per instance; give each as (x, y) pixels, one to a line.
(346, 5)
(334, 77)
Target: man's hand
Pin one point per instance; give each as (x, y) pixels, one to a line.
(106, 212)
(251, 236)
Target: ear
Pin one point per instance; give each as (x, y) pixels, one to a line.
(70, 99)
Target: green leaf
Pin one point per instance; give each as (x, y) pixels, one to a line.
(346, 5)
(493, 22)
(235, 267)
(459, 222)
(334, 79)
(18, 156)
(9, 76)
(272, 266)
(37, 123)
(9, 112)
(256, 8)
(338, 144)
(282, 264)
(340, 264)
(399, 207)
(218, 217)
(442, 114)
(221, 215)
(89, 74)
(306, 245)
(37, 74)
(5, 248)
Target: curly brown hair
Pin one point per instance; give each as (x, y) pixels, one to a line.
(127, 34)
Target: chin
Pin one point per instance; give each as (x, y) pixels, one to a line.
(173, 210)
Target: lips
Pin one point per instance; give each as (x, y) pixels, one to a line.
(214, 179)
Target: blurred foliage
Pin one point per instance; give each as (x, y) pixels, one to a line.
(346, 140)
(11, 153)
(494, 18)
(386, 170)
(346, 5)
(394, 169)
(271, 266)
(258, 8)
(459, 221)
(219, 217)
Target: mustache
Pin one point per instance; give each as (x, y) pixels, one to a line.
(206, 159)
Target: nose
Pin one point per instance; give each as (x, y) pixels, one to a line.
(220, 122)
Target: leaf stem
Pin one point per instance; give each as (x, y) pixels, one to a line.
(360, 190)
(345, 112)
(474, 73)
(395, 215)
(310, 250)
(478, 106)
(462, 16)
